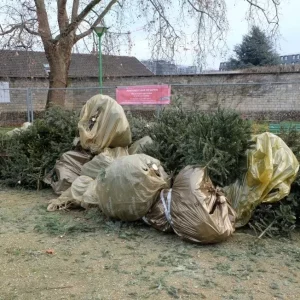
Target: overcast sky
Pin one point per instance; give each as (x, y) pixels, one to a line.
(288, 42)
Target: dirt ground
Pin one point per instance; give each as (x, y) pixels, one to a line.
(91, 257)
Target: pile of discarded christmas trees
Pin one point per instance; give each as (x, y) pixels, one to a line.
(115, 174)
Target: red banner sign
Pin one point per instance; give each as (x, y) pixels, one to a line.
(143, 94)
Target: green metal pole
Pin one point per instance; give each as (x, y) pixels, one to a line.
(100, 63)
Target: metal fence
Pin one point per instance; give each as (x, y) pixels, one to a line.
(269, 101)
(21, 105)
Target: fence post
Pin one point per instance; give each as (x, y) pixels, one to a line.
(30, 102)
(158, 109)
(27, 105)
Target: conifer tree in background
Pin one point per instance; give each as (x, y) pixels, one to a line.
(256, 49)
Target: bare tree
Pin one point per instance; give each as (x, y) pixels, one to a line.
(172, 25)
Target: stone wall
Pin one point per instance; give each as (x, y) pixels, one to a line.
(247, 93)
(272, 96)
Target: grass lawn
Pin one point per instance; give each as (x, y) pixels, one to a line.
(5, 129)
(81, 254)
(260, 127)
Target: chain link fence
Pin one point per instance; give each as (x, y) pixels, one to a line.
(270, 102)
(15, 107)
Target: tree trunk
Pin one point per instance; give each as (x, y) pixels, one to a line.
(59, 58)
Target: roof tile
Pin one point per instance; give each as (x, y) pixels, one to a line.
(31, 64)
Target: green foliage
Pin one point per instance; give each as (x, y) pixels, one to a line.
(217, 140)
(169, 133)
(3, 130)
(256, 49)
(259, 127)
(292, 138)
(27, 156)
(67, 224)
(139, 127)
(276, 219)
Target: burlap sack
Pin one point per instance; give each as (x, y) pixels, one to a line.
(66, 170)
(139, 146)
(194, 208)
(102, 124)
(102, 160)
(82, 193)
(129, 186)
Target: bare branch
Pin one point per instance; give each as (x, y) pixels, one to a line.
(30, 30)
(203, 12)
(166, 36)
(12, 29)
(30, 8)
(74, 25)
(16, 27)
(75, 10)
(259, 7)
(162, 15)
(97, 21)
(274, 20)
(44, 27)
(62, 17)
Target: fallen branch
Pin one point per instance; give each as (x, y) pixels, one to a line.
(270, 225)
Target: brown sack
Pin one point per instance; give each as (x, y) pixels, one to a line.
(156, 216)
(66, 170)
(102, 160)
(195, 209)
(198, 212)
(129, 186)
(102, 124)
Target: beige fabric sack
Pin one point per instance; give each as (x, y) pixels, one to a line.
(130, 185)
(102, 160)
(66, 170)
(82, 193)
(102, 124)
(138, 146)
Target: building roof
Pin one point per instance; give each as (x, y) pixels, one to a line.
(289, 54)
(34, 64)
